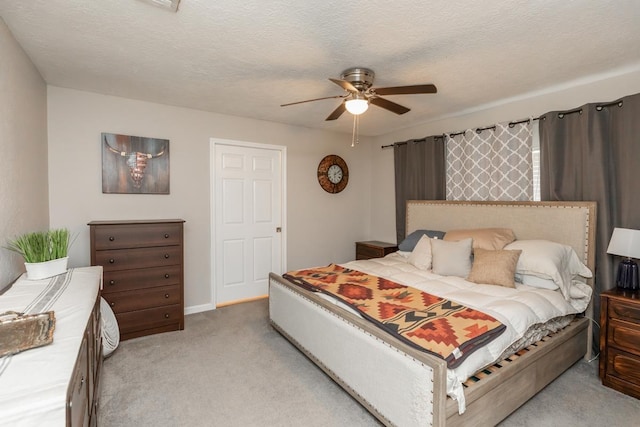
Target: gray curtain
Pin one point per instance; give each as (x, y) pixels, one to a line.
(593, 153)
(419, 174)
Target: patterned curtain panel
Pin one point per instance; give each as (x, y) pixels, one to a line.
(491, 164)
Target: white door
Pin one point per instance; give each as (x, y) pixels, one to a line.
(248, 219)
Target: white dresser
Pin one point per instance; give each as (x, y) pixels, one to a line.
(57, 384)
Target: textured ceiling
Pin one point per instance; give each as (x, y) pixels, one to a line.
(245, 58)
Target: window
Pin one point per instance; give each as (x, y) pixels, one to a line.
(535, 158)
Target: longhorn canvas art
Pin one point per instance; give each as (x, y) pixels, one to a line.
(134, 164)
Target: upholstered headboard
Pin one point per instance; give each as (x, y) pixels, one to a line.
(569, 223)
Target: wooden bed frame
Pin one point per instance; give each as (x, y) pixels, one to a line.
(372, 366)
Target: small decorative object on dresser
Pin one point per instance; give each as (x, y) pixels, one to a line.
(620, 341)
(374, 249)
(44, 252)
(143, 273)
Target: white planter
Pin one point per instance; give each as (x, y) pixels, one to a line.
(44, 270)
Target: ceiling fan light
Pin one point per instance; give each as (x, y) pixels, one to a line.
(357, 106)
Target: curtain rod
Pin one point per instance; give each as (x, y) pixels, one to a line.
(561, 115)
(478, 130)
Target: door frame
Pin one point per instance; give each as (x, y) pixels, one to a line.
(213, 143)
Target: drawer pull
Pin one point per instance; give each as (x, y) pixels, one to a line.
(166, 315)
(166, 276)
(112, 282)
(113, 304)
(111, 261)
(166, 295)
(166, 256)
(111, 238)
(166, 236)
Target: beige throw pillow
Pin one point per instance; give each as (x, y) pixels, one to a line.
(485, 238)
(494, 267)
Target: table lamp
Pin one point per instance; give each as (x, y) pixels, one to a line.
(625, 242)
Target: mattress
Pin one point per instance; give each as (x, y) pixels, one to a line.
(33, 384)
(528, 313)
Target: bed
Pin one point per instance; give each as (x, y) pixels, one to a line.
(404, 386)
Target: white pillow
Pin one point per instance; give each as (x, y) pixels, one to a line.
(580, 290)
(421, 254)
(536, 282)
(549, 260)
(451, 258)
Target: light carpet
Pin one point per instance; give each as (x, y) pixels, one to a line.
(229, 367)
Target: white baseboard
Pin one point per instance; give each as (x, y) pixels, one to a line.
(199, 308)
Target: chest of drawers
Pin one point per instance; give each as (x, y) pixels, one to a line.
(620, 341)
(56, 384)
(143, 273)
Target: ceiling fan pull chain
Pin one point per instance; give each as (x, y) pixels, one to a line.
(355, 139)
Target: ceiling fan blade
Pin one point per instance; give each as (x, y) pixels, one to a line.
(388, 105)
(406, 90)
(337, 112)
(316, 99)
(344, 85)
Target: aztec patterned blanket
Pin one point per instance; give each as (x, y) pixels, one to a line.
(429, 323)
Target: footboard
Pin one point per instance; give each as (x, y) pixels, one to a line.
(396, 383)
(405, 387)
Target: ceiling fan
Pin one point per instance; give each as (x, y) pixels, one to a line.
(359, 94)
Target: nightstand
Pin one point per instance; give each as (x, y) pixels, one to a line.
(620, 341)
(374, 249)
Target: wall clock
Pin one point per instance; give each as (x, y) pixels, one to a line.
(333, 174)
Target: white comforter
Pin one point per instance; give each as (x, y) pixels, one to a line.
(518, 309)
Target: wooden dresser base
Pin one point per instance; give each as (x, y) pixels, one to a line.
(143, 273)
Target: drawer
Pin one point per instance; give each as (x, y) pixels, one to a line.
(78, 391)
(118, 281)
(150, 318)
(121, 236)
(140, 299)
(624, 366)
(623, 310)
(369, 252)
(124, 259)
(624, 335)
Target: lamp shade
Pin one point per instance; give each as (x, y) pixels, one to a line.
(357, 106)
(625, 242)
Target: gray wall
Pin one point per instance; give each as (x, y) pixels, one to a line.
(321, 228)
(24, 202)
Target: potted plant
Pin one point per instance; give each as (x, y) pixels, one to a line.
(45, 253)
